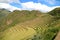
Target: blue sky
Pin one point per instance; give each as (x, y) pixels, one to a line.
(46, 2)
(42, 5)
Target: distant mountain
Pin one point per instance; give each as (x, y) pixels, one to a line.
(4, 12)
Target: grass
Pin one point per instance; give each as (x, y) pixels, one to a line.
(26, 29)
(18, 34)
(27, 25)
(47, 33)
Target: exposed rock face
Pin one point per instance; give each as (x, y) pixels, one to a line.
(57, 37)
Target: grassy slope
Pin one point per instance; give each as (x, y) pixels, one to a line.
(30, 27)
(3, 13)
(15, 18)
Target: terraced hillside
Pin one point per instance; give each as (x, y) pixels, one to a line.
(29, 25)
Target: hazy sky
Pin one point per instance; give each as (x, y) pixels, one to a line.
(42, 5)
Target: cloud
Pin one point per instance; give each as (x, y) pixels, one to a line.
(52, 2)
(6, 4)
(27, 5)
(8, 7)
(9, 1)
(36, 6)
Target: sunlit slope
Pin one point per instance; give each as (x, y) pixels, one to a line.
(18, 33)
(26, 30)
(16, 17)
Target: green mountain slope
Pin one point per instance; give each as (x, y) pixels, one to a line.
(30, 25)
(3, 12)
(16, 17)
